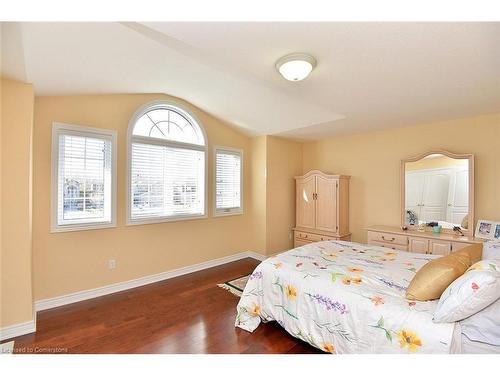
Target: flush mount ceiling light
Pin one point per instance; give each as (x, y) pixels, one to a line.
(296, 66)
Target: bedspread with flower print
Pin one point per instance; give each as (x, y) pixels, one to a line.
(344, 297)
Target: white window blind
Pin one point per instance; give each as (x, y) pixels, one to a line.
(85, 178)
(228, 175)
(167, 181)
(167, 166)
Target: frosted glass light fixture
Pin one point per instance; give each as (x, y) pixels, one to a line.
(296, 66)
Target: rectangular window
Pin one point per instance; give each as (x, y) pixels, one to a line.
(168, 183)
(228, 181)
(83, 178)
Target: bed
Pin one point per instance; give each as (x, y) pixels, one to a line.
(345, 297)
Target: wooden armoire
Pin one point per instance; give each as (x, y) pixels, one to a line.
(322, 208)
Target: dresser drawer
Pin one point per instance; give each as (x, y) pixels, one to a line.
(313, 237)
(419, 245)
(437, 247)
(388, 238)
(388, 245)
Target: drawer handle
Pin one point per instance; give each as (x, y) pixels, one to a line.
(386, 239)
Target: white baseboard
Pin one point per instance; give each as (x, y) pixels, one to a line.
(17, 330)
(254, 255)
(50, 303)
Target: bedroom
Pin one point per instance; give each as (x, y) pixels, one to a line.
(154, 172)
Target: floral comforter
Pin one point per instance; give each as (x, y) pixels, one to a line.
(344, 297)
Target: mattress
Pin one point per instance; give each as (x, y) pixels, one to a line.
(461, 344)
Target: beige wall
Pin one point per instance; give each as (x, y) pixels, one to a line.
(259, 188)
(275, 162)
(284, 162)
(373, 161)
(16, 182)
(74, 261)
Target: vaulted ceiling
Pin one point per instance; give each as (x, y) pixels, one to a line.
(369, 75)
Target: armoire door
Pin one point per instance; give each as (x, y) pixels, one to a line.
(306, 203)
(326, 204)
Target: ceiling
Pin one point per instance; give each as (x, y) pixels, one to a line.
(369, 75)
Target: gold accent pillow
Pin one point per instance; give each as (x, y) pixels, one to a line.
(433, 278)
(475, 252)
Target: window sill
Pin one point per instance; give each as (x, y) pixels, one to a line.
(230, 213)
(131, 222)
(81, 227)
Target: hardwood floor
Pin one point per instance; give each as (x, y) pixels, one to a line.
(187, 314)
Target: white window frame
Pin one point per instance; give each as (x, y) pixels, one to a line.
(232, 211)
(83, 131)
(162, 142)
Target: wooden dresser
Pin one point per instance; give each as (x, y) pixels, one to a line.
(418, 242)
(322, 208)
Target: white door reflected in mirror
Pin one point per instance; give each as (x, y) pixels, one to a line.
(437, 190)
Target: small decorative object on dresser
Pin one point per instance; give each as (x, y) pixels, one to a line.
(488, 229)
(411, 217)
(436, 229)
(322, 208)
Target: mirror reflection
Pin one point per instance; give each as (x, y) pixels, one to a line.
(437, 190)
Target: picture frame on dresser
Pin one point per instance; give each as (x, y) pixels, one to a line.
(496, 233)
(487, 229)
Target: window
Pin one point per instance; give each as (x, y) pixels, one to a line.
(228, 177)
(83, 178)
(167, 165)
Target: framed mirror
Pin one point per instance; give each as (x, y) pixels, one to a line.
(438, 186)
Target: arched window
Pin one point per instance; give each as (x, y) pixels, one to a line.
(167, 165)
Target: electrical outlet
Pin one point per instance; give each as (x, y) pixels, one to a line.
(112, 264)
(290, 235)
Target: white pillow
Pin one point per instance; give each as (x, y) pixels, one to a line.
(477, 288)
(491, 250)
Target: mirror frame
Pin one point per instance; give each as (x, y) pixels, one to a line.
(470, 157)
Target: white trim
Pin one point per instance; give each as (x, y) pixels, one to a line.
(50, 303)
(130, 137)
(84, 131)
(80, 227)
(17, 330)
(162, 142)
(256, 256)
(163, 219)
(233, 211)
